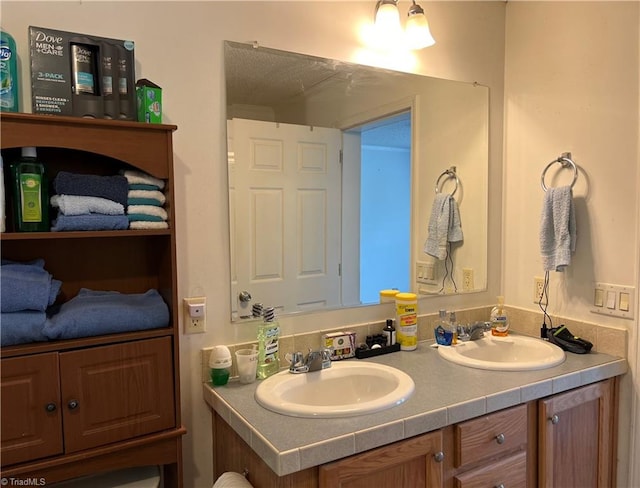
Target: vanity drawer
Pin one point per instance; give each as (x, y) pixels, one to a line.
(491, 435)
(510, 472)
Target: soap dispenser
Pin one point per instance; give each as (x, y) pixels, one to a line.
(499, 320)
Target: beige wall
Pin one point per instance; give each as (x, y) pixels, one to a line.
(571, 84)
(179, 46)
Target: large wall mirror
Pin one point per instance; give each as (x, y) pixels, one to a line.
(345, 180)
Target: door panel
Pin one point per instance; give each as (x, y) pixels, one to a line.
(31, 419)
(116, 392)
(285, 183)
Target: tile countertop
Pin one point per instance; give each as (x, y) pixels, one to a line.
(445, 393)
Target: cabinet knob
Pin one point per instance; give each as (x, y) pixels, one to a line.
(73, 404)
(244, 296)
(439, 456)
(500, 439)
(554, 419)
(51, 407)
(501, 485)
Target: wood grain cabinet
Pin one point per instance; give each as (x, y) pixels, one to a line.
(577, 437)
(493, 450)
(88, 405)
(563, 441)
(415, 462)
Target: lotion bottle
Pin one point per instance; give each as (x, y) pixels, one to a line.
(268, 342)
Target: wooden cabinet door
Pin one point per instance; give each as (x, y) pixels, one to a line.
(577, 438)
(31, 418)
(413, 463)
(117, 392)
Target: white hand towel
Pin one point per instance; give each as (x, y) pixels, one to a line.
(151, 210)
(557, 229)
(146, 225)
(444, 226)
(139, 177)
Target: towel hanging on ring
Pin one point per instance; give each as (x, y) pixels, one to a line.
(444, 226)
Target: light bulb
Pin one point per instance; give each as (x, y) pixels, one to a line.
(417, 32)
(387, 23)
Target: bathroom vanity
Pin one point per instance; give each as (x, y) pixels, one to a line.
(462, 427)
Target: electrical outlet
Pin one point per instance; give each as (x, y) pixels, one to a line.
(467, 279)
(538, 290)
(195, 312)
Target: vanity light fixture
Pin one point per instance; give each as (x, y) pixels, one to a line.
(387, 24)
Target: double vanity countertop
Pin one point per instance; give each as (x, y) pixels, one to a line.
(445, 393)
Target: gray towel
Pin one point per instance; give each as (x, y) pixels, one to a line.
(557, 229)
(444, 226)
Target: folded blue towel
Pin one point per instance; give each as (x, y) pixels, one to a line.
(90, 222)
(22, 327)
(80, 205)
(92, 313)
(113, 187)
(27, 286)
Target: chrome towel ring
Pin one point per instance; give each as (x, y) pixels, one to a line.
(446, 174)
(566, 162)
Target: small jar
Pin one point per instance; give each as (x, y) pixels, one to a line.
(220, 365)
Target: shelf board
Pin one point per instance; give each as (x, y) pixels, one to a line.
(21, 236)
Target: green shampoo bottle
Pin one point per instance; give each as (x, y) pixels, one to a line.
(30, 193)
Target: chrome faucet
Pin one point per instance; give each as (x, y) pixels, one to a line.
(474, 331)
(314, 361)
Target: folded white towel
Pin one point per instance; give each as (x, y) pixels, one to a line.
(147, 210)
(147, 225)
(557, 229)
(139, 177)
(80, 205)
(149, 197)
(444, 226)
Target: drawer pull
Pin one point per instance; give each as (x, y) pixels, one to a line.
(500, 439)
(73, 404)
(51, 407)
(554, 419)
(439, 456)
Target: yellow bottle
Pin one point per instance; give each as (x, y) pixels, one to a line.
(499, 320)
(407, 321)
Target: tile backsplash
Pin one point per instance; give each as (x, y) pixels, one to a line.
(606, 340)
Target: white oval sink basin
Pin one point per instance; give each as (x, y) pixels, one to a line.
(511, 353)
(346, 389)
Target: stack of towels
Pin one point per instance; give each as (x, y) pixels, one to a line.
(145, 200)
(27, 291)
(89, 202)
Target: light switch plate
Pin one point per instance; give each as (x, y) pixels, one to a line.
(607, 300)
